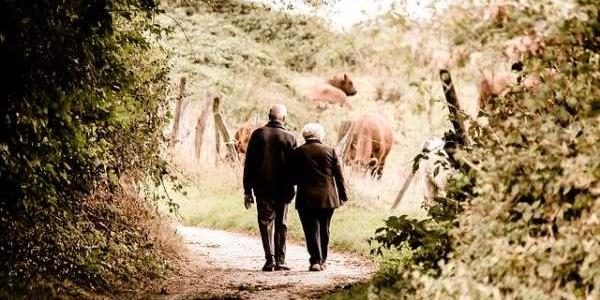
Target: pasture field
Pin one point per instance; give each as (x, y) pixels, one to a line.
(214, 199)
(252, 67)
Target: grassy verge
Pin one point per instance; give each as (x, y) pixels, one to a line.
(214, 200)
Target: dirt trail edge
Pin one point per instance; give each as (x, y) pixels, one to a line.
(223, 265)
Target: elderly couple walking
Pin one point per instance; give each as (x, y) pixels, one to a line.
(273, 166)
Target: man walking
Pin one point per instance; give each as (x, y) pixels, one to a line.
(267, 173)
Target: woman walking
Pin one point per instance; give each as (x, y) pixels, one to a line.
(317, 174)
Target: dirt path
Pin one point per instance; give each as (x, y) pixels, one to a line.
(225, 265)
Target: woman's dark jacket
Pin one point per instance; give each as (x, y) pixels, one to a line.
(317, 173)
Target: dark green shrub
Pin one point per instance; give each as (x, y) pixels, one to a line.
(83, 96)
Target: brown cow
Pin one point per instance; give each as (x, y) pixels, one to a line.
(370, 139)
(334, 91)
(242, 135)
(497, 84)
(492, 85)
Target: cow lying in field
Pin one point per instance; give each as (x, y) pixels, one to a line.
(334, 91)
(369, 141)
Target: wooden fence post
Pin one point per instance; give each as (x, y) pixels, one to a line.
(344, 138)
(344, 127)
(215, 108)
(201, 126)
(179, 106)
(222, 130)
(405, 186)
(456, 115)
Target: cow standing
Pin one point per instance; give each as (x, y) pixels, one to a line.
(498, 84)
(242, 135)
(370, 140)
(493, 85)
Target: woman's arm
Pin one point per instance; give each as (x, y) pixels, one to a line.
(339, 178)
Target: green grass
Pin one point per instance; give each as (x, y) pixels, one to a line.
(214, 199)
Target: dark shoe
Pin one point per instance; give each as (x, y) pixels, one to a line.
(268, 267)
(282, 267)
(315, 268)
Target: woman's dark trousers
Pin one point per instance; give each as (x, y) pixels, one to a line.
(315, 223)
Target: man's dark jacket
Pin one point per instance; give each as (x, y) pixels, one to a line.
(267, 168)
(317, 173)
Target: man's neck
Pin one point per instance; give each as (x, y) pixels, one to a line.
(275, 123)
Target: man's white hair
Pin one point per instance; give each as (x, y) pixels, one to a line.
(313, 131)
(277, 112)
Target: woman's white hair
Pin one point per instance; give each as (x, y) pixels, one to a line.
(313, 131)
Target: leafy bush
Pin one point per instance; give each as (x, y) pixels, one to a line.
(422, 235)
(528, 227)
(420, 243)
(81, 118)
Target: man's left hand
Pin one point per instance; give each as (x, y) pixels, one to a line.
(248, 201)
